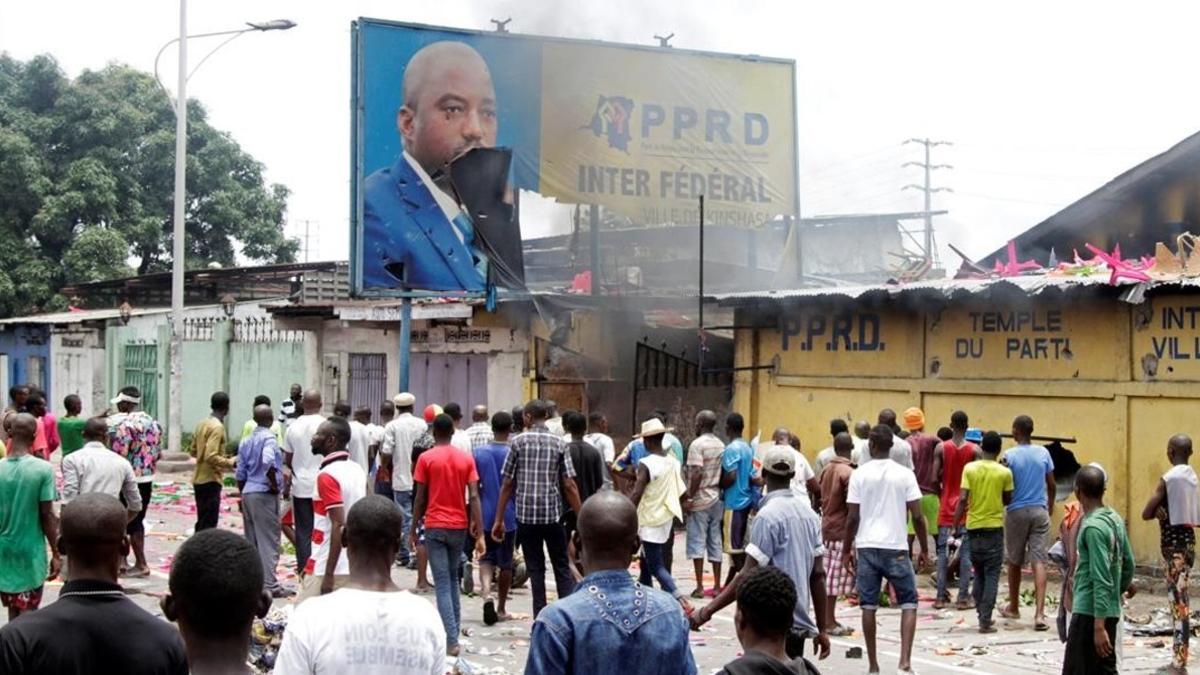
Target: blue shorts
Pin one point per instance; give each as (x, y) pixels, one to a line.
(877, 564)
(704, 533)
(500, 554)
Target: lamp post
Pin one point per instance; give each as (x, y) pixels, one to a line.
(175, 401)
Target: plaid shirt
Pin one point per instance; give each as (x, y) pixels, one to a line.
(537, 462)
(480, 434)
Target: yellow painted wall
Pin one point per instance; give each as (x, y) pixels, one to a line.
(1095, 390)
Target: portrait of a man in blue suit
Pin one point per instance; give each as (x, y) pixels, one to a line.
(416, 234)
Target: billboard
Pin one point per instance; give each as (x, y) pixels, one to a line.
(447, 124)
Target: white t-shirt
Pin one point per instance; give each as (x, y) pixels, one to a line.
(341, 482)
(882, 489)
(398, 438)
(305, 465)
(901, 453)
(608, 451)
(363, 632)
(804, 472)
(359, 440)
(462, 440)
(374, 434)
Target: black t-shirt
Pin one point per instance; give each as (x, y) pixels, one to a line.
(758, 663)
(589, 468)
(91, 628)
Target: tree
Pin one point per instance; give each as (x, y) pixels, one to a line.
(87, 184)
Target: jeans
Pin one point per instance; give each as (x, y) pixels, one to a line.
(877, 564)
(944, 534)
(444, 547)
(532, 537)
(404, 499)
(208, 505)
(987, 555)
(302, 515)
(260, 513)
(704, 533)
(654, 566)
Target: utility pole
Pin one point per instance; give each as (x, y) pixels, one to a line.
(928, 189)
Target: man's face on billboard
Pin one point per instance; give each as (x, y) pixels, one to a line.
(449, 104)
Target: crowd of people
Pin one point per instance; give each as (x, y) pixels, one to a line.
(430, 492)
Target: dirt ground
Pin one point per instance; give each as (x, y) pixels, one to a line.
(946, 641)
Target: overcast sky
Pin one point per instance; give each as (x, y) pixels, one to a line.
(1044, 101)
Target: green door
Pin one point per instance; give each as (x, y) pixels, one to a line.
(141, 371)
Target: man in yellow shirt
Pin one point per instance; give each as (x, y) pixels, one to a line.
(987, 486)
(208, 447)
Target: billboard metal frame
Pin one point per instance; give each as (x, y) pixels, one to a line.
(356, 136)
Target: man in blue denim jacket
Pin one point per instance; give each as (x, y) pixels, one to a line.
(610, 620)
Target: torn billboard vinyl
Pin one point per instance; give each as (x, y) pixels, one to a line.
(638, 130)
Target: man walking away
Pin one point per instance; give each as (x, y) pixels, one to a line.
(765, 599)
(739, 485)
(1027, 519)
(786, 534)
(598, 437)
(589, 478)
(398, 438)
(489, 462)
(358, 435)
(836, 426)
(461, 440)
(656, 494)
(986, 487)
(46, 441)
(215, 592)
(370, 615)
(441, 477)
(612, 619)
(923, 448)
(259, 473)
(95, 468)
(27, 495)
(538, 474)
(1104, 572)
(1176, 505)
(805, 481)
(70, 426)
(901, 452)
(480, 431)
(87, 629)
(208, 447)
(340, 483)
(949, 459)
(300, 472)
(880, 493)
(381, 480)
(835, 483)
(137, 437)
(703, 502)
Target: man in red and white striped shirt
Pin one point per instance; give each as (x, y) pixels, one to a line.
(340, 483)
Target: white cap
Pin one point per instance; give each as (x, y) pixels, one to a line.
(780, 460)
(404, 400)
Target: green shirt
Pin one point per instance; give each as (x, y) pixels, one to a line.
(1105, 566)
(70, 433)
(25, 482)
(250, 425)
(987, 481)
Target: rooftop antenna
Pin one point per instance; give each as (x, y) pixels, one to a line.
(664, 41)
(501, 26)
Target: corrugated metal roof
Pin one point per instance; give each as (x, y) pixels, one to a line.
(1134, 291)
(80, 316)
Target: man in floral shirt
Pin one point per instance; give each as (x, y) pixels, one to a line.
(135, 436)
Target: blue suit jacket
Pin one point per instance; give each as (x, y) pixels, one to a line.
(407, 240)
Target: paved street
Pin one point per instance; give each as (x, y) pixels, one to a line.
(946, 641)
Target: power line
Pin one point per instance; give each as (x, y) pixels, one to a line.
(929, 167)
(998, 198)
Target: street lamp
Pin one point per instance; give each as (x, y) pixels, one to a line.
(175, 402)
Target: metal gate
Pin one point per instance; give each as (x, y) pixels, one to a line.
(141, 371)
(442, 378)
(367, 382)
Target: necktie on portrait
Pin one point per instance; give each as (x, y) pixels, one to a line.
(462, 222)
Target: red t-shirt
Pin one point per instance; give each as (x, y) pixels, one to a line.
(445, 471)
(954, 458)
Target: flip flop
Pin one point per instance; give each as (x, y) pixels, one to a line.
(489, 612)
(1010, 615)
(134, 573)
(1041, 626)
(698, 594)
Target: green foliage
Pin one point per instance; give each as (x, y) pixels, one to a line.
(87, 184)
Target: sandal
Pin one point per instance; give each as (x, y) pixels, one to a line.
(1010, 615)
(964, 605)
(698, 593)
(840, 631)
(1041, 626)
